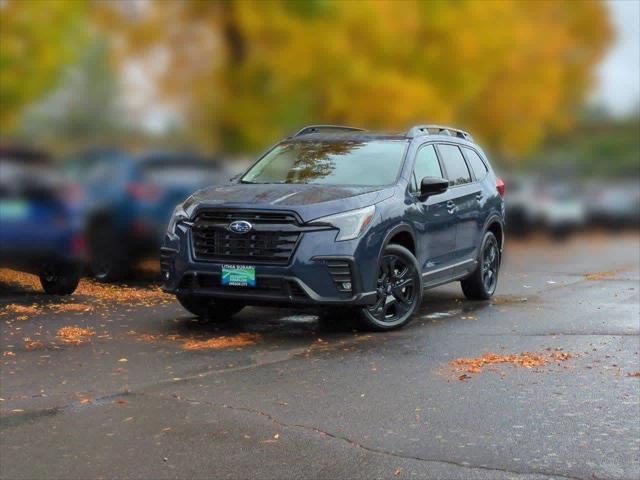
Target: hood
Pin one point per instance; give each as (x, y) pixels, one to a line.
(308, 201)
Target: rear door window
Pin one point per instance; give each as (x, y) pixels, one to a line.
(477, 165)
(426, 165)
(454, 164)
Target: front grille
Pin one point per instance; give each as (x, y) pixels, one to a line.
(266, 243)
(341, 274)
(227, 216)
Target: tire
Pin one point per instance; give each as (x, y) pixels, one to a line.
(395, 305)
(206, 308)
(60, 279)
(482, 283)
(109, 258)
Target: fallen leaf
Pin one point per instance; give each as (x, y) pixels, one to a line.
(238, 340)
(75, 335)
(524, 359)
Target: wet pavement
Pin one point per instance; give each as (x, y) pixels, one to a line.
(140, 389)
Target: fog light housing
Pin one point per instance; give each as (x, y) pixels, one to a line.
(346, 286)
(167, 275)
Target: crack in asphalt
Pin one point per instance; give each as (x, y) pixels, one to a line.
(16, 418)
(354, 443)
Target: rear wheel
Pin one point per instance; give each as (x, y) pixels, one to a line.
(482, 283)
(399, 291)
(206, 308)
(60, 279)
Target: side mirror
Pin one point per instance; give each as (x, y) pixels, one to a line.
(432, 186)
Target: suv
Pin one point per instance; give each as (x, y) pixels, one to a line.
(338, 216)
(41, 230)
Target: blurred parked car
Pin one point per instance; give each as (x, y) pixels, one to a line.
(130, 199)
(615, 206)
(519, 212)
(554, 206)
(560, 208)
(40, 220)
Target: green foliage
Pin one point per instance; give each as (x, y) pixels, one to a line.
(596, 148)
(38, 38)
(83, 107)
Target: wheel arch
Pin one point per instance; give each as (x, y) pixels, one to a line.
(495, 225)
(401, 234)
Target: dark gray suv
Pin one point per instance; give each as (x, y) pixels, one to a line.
(341, 217)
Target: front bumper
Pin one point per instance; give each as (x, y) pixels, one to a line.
(317, 274)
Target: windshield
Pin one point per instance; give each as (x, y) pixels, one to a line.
(331, 162)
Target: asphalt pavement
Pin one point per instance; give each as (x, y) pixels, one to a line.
(120, 382)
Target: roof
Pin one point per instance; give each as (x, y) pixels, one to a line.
(349, 136)
(337, 132)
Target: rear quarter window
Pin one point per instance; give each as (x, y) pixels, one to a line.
(454, 164)
(477, 165)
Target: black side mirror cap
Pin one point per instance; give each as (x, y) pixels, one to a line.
(432, 186)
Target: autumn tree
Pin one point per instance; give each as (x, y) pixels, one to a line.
(243, 73)
(246, 72)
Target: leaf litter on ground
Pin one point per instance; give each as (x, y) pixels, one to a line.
(523, 360)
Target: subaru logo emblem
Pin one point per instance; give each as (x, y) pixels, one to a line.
(240, 226)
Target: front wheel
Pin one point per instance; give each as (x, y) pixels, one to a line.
(109, 259)
(60, 279)
(482, 283)
(399, 291)
(206, 308)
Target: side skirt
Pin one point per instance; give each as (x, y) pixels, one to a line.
(441, 280)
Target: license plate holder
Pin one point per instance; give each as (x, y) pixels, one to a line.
(238, 276)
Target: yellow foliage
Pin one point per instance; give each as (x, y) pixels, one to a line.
(244, 73)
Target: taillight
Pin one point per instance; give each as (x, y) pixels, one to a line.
(143, 192)
(78, 245)
(500, 187)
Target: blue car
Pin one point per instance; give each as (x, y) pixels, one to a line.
(340, 217)
(130, 198)
(41, 229)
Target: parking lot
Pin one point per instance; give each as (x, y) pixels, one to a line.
(542, 381)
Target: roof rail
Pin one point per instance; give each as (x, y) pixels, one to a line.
(327, 129)
(439, 130)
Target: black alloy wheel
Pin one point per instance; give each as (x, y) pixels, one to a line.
(399, 290)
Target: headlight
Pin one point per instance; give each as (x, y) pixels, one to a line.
(351, 224)
(177, 216)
